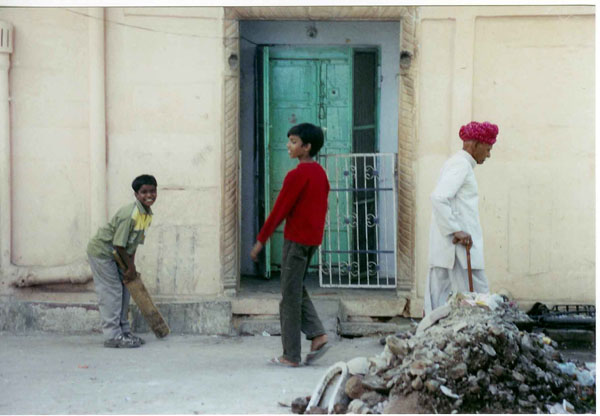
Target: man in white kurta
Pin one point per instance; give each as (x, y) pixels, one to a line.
(455, 220)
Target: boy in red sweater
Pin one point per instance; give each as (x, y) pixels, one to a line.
(302, 203)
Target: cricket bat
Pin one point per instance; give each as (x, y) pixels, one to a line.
(142, 299)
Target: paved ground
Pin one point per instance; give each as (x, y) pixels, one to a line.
(52, 374)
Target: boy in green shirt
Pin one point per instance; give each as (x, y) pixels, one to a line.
(126, 229)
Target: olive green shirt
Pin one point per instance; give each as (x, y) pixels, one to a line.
(127, 228)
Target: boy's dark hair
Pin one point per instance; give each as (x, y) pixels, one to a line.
(143, 180)
(309, 133)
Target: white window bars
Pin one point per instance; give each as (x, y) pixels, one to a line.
(359, 247)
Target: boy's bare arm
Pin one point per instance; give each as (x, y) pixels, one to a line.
(130, 273)
(258, 246)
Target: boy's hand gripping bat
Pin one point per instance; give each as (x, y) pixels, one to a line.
(142, 299)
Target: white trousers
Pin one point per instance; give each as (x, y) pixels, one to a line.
(441, 282)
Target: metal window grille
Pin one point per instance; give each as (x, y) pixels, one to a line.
(359, 247)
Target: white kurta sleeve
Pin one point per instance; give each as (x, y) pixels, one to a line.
(451, 179)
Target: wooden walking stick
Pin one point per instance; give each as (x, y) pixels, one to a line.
(468, 246)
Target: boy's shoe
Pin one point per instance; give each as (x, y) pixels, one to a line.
(134, 337)
(120, 341)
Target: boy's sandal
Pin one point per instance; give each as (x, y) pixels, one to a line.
(278, 361)
(316, 354)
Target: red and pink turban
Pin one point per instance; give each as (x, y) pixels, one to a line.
(484, 132)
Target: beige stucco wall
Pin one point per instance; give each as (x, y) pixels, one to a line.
(528, 69)
(531, 71)
(164, 110)
(165, 101)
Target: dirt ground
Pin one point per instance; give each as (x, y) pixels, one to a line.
(53, 374)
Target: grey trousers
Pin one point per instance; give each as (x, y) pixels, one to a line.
(296, 311)
(113, 296)
(441, 281)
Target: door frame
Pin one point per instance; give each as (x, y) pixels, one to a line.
(230, 189)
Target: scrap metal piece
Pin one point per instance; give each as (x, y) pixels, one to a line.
(330, 389)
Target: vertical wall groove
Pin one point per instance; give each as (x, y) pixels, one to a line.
(5, 151)
(97, 127)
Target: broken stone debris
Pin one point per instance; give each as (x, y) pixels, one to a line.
(299, 404)
(470, 358)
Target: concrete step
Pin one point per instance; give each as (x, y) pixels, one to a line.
(194, 317)
(200, 316)
(267, 320)
(348, 317)
(24, 316)
(353, 328)
(255, 326)
(347, 329)
(243, 315)
(328, 311)
(572, 338)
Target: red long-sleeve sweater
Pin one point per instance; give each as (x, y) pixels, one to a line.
(302, 203)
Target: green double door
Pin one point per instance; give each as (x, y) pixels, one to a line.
(299, 85)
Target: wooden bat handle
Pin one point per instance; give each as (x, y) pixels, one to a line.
(469, 267)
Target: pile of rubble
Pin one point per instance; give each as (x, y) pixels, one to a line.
(465, 357)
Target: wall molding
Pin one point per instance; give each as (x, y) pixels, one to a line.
(230, 212)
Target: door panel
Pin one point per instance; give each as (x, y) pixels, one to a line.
(312, 85)
(336, 82)
(293, 99)
(337, 74)
(293, 81)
